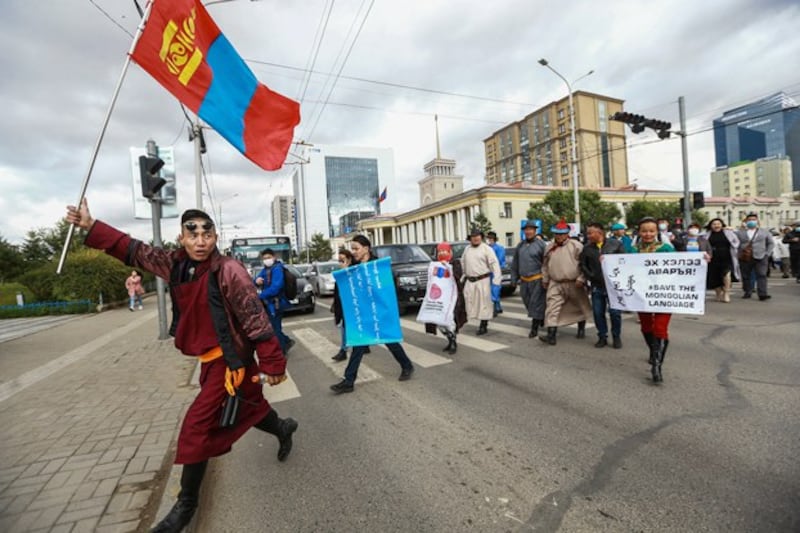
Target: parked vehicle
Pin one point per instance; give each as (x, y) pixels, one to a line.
(508, 287)
(320, 275)
(458, 248)
(305, 301)
(410, 269)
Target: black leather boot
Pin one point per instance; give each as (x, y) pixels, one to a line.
(649, 339)
(660, 349)
(581, 330)
(451, 343)
(341, 356)
(534, 328)
(551, 336)
(182, 512)
(483, 328)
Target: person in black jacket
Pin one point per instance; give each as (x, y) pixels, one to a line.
(792, 238)
(345, 260)
(590, 259)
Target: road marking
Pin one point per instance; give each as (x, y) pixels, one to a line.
(421, 357)
(282, 392)
(303, 321)
(464, 340)
(14, 328)
(10, 388)
(324, 350)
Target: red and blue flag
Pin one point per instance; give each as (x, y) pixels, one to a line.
(383, 196)
(184, 50)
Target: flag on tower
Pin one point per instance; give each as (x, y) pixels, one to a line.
(383, 196)
(184, 50)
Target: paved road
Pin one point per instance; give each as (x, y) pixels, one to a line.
(512, 435)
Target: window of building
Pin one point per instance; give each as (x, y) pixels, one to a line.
(562, 129)
(563, 156)
(602, 115)
(562, 143)
(561, 113)
(509, 239)
(564, 170)
(507, 209)
(565, 183)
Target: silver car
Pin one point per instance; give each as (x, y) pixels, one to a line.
(320, 276)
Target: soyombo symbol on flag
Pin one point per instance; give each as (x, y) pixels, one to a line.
(185, 51)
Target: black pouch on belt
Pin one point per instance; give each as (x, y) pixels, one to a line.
(229, 411)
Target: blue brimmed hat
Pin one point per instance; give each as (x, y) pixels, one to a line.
(618, 225)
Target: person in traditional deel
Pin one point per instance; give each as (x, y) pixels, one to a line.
(480, 263)
(567, 301)
(526, 271)
(500, 252)
(444, 253)
(219, 320)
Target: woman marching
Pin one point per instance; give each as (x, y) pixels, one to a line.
(654, 325)
(444, 268)
(345, 260)
(724, 266)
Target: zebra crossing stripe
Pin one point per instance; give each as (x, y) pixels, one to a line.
(421, 357)
(463, 340)
(324, 349)
(283, 391)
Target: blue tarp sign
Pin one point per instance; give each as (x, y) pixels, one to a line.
(369, 303)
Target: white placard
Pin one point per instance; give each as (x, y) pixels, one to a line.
(657, 282)
(440, 296)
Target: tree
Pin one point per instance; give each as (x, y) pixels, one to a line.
(666, 210)
(561, 203)
(319, 249)
(482, 223)
(12, 264)
(43, 244)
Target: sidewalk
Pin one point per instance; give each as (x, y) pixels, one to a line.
(90, 411)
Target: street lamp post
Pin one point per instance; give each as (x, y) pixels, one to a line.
(574, 151)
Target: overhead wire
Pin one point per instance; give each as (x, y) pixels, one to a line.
(112, 19)
(313, 58)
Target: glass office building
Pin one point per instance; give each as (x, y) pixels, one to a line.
(765, 128)
(351, 186)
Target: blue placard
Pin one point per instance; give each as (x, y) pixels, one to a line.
(369, 303)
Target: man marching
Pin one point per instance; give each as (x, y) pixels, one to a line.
(218, 319)
(567, 302)
(479, 264)
(526, 270)
(500, 253)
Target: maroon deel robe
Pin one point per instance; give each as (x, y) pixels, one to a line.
(201, 437)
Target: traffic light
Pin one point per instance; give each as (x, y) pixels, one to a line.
(149, 166)
(638, 123)
(698, 200)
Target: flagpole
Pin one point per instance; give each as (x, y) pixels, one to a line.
(97, 144)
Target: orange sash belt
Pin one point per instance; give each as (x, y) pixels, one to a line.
(531, 278)
(213, 353)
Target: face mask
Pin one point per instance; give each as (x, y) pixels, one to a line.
(752, 224)
(662, 227)
(694, 232)
(269, 262)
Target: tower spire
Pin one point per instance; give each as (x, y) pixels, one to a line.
(438, 150)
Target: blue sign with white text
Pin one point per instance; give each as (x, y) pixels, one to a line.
(369, 303)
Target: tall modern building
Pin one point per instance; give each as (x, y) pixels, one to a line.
(336, 182)
(769, 127)
(536, 150)
(282, 212)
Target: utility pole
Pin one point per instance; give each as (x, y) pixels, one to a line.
(687, 205)
(196, 135)
(155, 207)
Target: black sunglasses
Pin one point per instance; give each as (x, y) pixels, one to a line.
(192, 225)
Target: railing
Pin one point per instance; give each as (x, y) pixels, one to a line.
(46, 308)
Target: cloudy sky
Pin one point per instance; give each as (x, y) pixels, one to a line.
(62, 59)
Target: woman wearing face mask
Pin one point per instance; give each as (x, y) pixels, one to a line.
(655, 326)
(724, 266)
(361, 247)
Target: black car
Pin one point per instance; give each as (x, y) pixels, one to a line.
(305, 301)
(410, 269)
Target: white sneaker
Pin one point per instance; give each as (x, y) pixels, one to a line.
(140, 307)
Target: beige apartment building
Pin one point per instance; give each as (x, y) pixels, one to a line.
(537, 149)
(769, 177)
(505, 205)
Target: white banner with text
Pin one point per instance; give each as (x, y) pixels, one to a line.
(656, 283)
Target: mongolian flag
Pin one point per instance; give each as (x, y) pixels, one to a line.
(184, 50)
(383, 196)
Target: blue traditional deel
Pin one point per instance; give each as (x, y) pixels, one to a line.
(369, 303)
